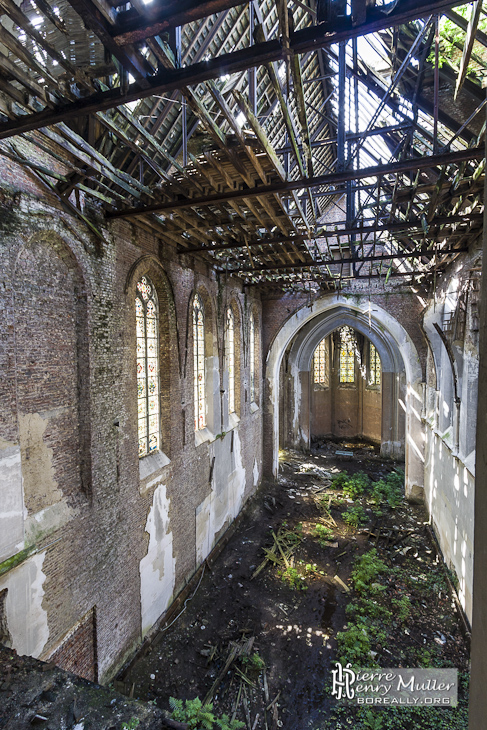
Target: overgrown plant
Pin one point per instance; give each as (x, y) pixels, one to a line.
(355, 516)
(324, 534)
(200, 717)
(367, 569)
(294, 579)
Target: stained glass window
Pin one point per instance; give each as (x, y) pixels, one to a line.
(252, 357)
(199, 363)
(146, 312)
(347, 362)
(230, 353)
(374, 366)
(320, 371)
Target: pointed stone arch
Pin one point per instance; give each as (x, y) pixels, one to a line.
(402, 430)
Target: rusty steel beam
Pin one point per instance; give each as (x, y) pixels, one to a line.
(360, 230)
(132, 27)
(337, 178)
(307, 39)
(351, 260)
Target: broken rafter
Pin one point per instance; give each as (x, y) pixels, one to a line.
(476, 153)
(468, 46)
(359, 230)
(307, 39)
(424, 252)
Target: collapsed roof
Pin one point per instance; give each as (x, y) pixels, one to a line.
(294, 144)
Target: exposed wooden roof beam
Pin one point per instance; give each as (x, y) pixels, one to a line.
(480, 36)
(307, 39)
(358, 230)
(468, 45)
(423, 252)
(131, 28)
(476, 153)
(131, 59)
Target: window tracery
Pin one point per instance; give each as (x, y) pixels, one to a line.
(320, 370)
(199, 363)
(230, 354)
(148, 405)
(374, 366)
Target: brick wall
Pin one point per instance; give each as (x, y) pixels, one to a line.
(77, 652)
(68, 402)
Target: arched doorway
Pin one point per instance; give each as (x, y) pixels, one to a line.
(289, 362)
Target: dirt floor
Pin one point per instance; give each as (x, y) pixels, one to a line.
(259, 644)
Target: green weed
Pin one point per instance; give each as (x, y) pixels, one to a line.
(403, 608)
(131, 724)
(355, 516)
(292, 578)
(367, 569)
(200, 717)
(353, 645)
(324, 534)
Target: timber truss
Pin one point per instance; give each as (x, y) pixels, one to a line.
(293, 143)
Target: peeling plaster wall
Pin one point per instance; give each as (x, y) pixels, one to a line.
(37, 462)
(225, 499)
(450, 424)
(449, 488)
(12, 511)
(26, 616)
(117, 535)
(158, 567)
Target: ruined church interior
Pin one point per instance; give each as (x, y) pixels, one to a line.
(238, 236)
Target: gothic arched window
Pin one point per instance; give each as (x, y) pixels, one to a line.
(347, 362)
(374, 366)
(146, 311)
(230, 355)
(199, 363)
(320, 369)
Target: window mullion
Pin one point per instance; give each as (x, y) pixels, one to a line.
(146, 354)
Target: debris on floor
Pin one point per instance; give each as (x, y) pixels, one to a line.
(329, 562)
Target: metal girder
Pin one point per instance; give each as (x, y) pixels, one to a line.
(132, 27)
(307, 39)
(476, 153)
(358, 230)
(131, 60)
(426, 252)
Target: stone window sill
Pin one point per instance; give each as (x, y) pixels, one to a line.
(233, 420)
(203, 435)
(151, 463)
(254, 407)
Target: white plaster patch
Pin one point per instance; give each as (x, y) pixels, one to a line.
(223, 503)
(12, 514)
(47, 520)
(26, 618)
(256, 473)
(158, 567)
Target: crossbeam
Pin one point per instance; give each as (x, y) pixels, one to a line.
(302, 41)
(359, 231)
(419, 253)
(337, 178)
